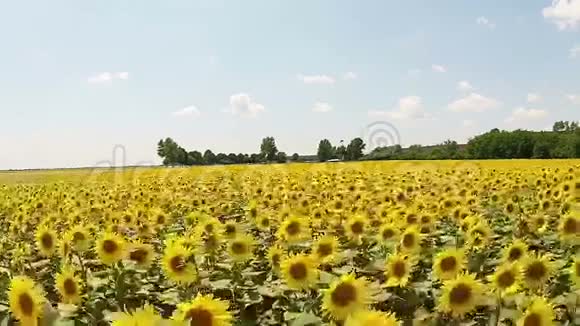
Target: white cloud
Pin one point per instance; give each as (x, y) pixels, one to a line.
(522, 114)
(408, 108)
(575, 51)
(464, 86)
(474, 103)
(485, 22)
(564, 13)
(468, 123)
(316, 79)
(107, 77)
(242, 104)
(438, 68)
(322, 107)
(188, 111)
(350, 76)
(532, 98)
(573, 98)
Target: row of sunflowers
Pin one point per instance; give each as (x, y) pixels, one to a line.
(303, 244)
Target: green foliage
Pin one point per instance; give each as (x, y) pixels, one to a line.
(325, 150)
(268, 148)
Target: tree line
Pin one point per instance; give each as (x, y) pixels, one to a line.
(562, 142)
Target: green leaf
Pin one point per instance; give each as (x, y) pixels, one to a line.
(221, 284)
(306, 318)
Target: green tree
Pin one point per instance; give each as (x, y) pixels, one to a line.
(281, 157)
(354, 150)
(268, 148)
(325, 150)
(295, 157)
(209, 157)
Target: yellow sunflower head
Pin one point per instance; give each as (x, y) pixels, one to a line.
(294, 229)
(388, 234)
(410, 240)
(299, 272)
(46, 240)
(80, 239)
(176, 264)
(325, 249)
(146, 316)
(241, 248)
(275, 256)
(536, 271)
(515, 252)
(398, 270)
(204, 310)
(346, 296)
(26, 300)
(506, 279)
(539, 313)
(460, 295)
(356, 226)
(141, 254)
(449, 263)
(110, 248)
(371, 318)
(570, 229)
(68, 285)
(231, 230)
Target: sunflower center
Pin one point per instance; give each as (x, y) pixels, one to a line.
(448, 264)
(298, 271)
(357, 227)
(26, 304)
(238, 248)
(47, 241)
(536, 271)
(276, 259)
(70, 287)
(199, 317)
(570, 226)
(506, 279)
(324, 249)
(408, 240)
(265, 222)
(230, 229)
(412, 219)
(78, 236)
(177, 264)
(343, 295)
(460, 294)
(293, 228)
(515, 254)
(211, 242)
(533, 319)
(388, 233)
(138, 255)
(399, 269)
(110, 246)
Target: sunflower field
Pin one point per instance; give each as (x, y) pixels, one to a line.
(352, 244)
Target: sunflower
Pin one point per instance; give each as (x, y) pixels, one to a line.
(516, 252)
(398, 270)
(575, 272)
(570, 229)
(356, 226)
(80, 238)
(110, 248)
(26, 300)
(410, 240)
(275, 255)
(324, 250)
(263, 223)
(346, 296)
(231, 230)
(478, 236)
(388, 234)
(176, 264)
(539, 313)
(299, 272)
(46, 241)
(141, 254)
(371, 318)
(536, 270)
(204, 310)
(460, 295)
(68, 285)
(448, 264)
(506, 279)
(241, 248)
(208, 243)
(146, 316)
(293, 230)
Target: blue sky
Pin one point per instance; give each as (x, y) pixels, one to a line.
(78, 77)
